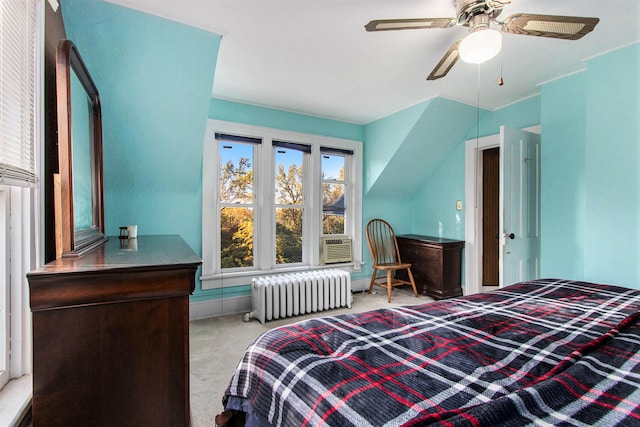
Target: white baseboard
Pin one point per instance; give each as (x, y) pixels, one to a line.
(360, 285)
(219, 307)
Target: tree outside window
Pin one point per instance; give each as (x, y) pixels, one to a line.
(289, 201)
(236, 205)
(333, 194)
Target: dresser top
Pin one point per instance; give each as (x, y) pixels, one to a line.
(429, 239)
(143, 252)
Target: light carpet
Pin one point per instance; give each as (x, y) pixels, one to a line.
(218, 343)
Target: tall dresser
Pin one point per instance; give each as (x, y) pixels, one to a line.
(111, 335)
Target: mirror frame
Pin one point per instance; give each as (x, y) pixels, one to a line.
(77, 242)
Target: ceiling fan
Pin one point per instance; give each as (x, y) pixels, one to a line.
(483, 43)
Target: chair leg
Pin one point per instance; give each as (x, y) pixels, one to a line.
(413, 284)
(389, 284)
(373, 279)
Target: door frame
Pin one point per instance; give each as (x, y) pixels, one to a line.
(473, 213)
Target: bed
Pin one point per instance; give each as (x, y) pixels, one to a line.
(545, 352)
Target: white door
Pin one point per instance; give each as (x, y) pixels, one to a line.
(519, 205)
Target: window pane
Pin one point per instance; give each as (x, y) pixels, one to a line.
(333, 224)
(236, 237)
(333, 208)
(236, 172)
(332, 167)
(288, 235)
(288, 177)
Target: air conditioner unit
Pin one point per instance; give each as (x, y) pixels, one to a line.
(335, 249)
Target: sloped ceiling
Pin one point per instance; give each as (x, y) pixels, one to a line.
(436, 133)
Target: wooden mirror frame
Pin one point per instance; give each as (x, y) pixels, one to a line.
(76, 242)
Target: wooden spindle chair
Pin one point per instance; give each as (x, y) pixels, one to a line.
(386, 257)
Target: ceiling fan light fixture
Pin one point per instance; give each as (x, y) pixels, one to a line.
(480, 46)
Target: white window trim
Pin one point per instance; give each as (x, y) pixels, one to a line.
(17, 217)
(22, 252)
(212, 277)
(5, 283)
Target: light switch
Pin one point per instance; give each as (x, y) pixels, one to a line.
(459, 205)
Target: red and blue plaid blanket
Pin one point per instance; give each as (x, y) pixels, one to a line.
(547, 352)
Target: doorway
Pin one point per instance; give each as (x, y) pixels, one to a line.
(482, 216)
(490, 217)
(518, 248)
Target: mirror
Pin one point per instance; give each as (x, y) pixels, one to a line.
(80, 221)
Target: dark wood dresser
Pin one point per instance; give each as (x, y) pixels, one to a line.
(111, 335)
(436, 264)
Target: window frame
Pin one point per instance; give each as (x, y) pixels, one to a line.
(213, 276)
(21, 247)
(5, 285)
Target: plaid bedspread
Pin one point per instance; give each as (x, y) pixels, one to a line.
(547, 352)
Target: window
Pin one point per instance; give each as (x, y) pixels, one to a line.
(21, 24)
(289, 204)
(236, 202)
(334, 188)
(268, 198)
(16, 211)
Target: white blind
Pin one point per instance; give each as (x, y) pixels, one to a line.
(17, 92)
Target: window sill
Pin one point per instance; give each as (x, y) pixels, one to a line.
(14, 400)
(239, 278)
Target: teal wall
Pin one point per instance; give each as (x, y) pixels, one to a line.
(562, 184)
(591, 190)
(268, 117)
(434, 207)
(425, 142)
(155, 79)
(520, 115)
(384, 137)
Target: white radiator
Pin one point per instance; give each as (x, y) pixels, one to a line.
(291, 294)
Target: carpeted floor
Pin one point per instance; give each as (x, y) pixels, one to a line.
(217, 344)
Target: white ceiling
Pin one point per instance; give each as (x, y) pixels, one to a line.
(314, 56)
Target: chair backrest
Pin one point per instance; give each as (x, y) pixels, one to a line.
(382, 242)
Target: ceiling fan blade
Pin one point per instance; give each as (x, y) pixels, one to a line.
(448, 60)
(409, 24)
(557, 27)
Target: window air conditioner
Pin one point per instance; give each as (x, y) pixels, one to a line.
(335, 249)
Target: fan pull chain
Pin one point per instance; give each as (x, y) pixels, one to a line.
(477, 154)
(501, 82)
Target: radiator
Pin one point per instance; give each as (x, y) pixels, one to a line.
(285, 295)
